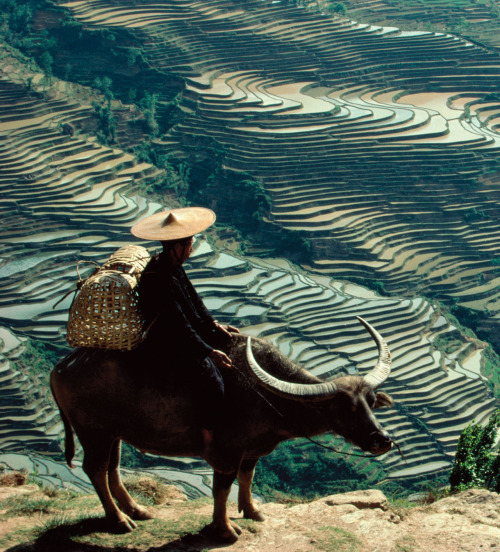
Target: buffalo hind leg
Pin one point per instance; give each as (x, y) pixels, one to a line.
(222, 526)
(245, 499)
(125, 502)
(95, 464)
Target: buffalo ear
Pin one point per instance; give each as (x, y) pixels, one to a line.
(382, 399)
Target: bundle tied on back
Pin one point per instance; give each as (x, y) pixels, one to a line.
(105, 313)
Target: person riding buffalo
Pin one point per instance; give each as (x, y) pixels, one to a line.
(178, 321)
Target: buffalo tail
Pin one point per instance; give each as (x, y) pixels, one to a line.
(69, 442)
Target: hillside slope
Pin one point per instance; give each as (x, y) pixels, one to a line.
(475, 20)
(377, 147)
(78, 199)
(362, 521)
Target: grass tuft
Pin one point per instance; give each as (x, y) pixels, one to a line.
(27, 505)
(406, 544)
(334, 538)
(13, 479)
(152, 491)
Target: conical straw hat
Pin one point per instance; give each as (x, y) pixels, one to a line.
(174, 224)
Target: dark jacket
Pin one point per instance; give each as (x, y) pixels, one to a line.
(180, 324)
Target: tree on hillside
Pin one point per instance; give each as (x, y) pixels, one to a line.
(105, 85)
(339, 8)
(46, 61)
(105, 119)
(148, 106)
(106, 122)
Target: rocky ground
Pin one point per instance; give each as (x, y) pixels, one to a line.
(361, 521)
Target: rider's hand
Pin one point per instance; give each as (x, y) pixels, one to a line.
(226, 329)
(220, 359)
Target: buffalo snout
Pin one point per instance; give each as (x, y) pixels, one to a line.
(380, 443)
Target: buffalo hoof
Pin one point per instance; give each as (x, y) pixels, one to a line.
(125, 525)
(236, 528)
(227, 533)
(140, 513)
(256, 515)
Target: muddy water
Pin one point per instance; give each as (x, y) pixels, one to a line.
(433, 101)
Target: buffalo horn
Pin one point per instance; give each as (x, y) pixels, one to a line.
(297, 391)
(376, 377)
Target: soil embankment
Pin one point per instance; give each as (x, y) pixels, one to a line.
(361, 521)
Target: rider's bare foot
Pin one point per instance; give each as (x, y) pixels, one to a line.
(208, 437)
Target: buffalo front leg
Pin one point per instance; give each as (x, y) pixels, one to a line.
(222, 526)
(245, 499)
(126, 503)
(95, 464)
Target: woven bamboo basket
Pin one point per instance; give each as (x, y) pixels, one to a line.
(105, 313)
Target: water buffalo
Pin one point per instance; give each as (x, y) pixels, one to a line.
(110, 396)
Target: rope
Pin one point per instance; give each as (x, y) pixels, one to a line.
(78, 284)
(336, 450)
(354, 453)
(80, 279)
(251, 385)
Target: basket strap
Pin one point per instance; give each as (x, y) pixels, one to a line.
(151, 325)
(80, 279)
(134, 268)
(75, 291)
(78, 284)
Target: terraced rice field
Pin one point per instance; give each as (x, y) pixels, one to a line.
(376, 144)
(367, 138)
(475, 19)
(195, 480)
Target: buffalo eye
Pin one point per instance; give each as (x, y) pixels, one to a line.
(371, 399)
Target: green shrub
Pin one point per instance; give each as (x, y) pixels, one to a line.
(477, 461)
(340, 9)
